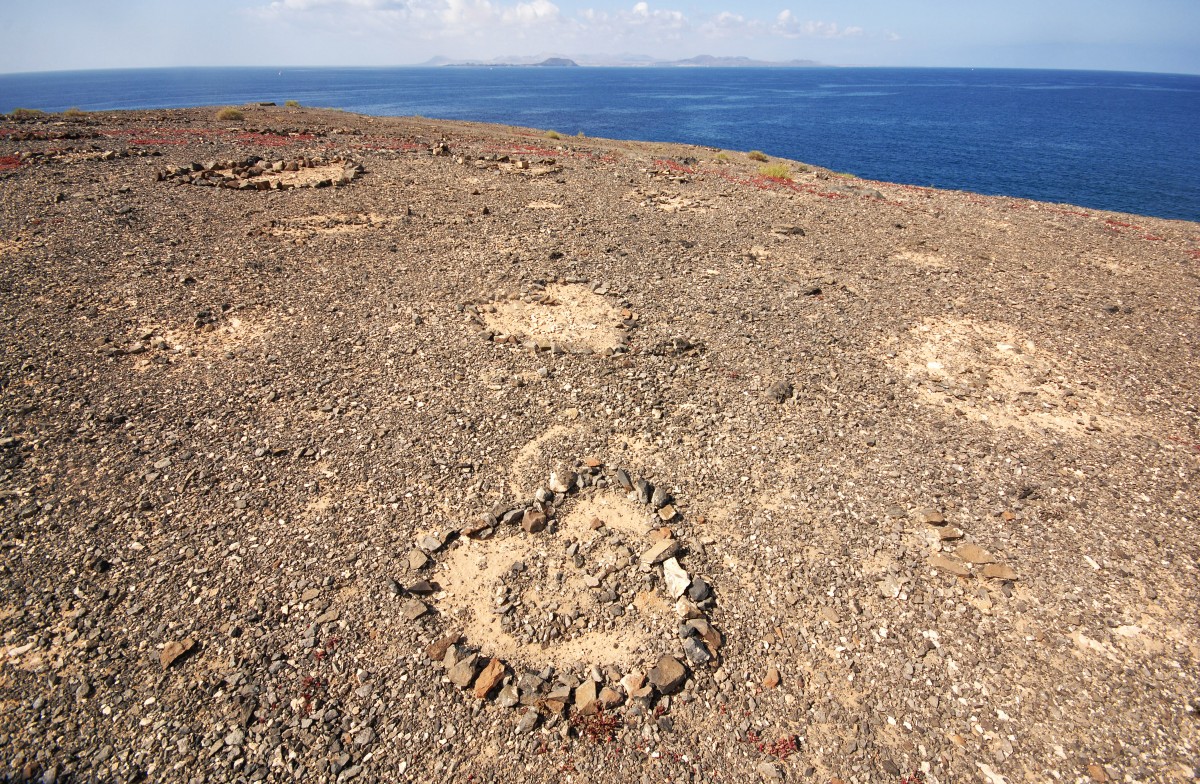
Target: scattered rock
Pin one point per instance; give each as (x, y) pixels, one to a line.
(771, 680)
(635, 685)
(533, 521)
(487, 680)
(527, 722)
(661, 551)
(780, 391)
(463, 671)
(999, 572)
(973, 553)
(676, 578)
(669, 675)
(696, 651)
(949, 564)
(413, 609)
(930, 516)
(174, 651)
(436, 651)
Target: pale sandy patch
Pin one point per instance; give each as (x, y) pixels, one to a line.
(470, 574)
(305, 176)
(992, 373)
(569, 316)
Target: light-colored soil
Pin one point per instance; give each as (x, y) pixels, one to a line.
(568, 316)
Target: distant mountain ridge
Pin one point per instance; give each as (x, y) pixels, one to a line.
(620, 61)
(549, 62)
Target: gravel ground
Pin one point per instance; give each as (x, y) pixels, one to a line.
(337, 448)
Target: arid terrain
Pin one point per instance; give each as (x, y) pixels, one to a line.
(340, 448)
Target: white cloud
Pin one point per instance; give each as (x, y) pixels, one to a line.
(642, 24)
(728, 24)
(421, 18)
(789, 26)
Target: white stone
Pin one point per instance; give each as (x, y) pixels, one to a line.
(677, 579)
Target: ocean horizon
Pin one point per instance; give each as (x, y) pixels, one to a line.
(1098, 139)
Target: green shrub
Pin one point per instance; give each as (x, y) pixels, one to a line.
(553, 135)
(776, 171)
(721, 158)
(291, 104)
(757, 155)
(229, 113)
(74, 111)
(27, 114)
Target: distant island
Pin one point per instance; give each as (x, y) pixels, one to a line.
(549, 62)
(619, 61)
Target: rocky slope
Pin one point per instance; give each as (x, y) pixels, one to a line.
(342, 448)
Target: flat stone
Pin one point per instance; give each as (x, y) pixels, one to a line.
(999, 572)
(946, 563)
(667, 513)
(429, 543)
(697, 652)
(436, 650)
(669, 675)
(635, 685)
(930, 516)
(417, 560)
(676, 578)
(463, 671)
(413, 609)
(487, 680)
(173, 650)
(780, 391)
(660, 498)
(973, 553)
(622, 477)
(309, 595)
(529, 720)
(329, 616)
(509, 696)
(561, 482)
(533, 521)
(768, 772)
(667, 548)
(585, 697)
(948, 533)
(610, 697)
(772, 680)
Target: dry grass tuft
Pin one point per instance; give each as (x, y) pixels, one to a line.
(776, 171)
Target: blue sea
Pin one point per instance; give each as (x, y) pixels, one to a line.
(1117, 141)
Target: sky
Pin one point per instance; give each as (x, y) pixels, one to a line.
(1149, 35)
